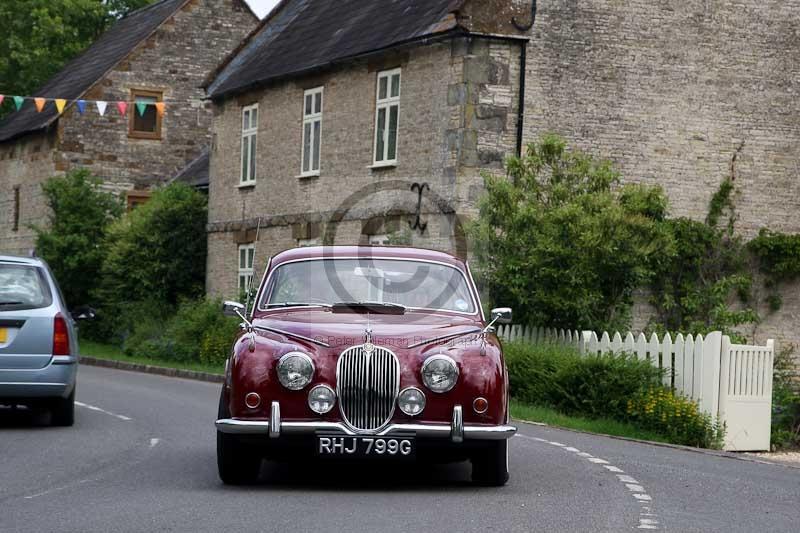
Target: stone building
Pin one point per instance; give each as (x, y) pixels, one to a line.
(161, 53)
(334, 114)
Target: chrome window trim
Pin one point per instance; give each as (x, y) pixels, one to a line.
(467, 279)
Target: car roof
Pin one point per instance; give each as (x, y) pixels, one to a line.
(19, 260)
(383, 252)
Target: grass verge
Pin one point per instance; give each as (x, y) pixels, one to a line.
(551, 417)
(115, 353)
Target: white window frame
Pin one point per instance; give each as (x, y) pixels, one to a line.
(311, 119)
(378, 239)
(249, 159)
(387, 104)
(246, 270)
(307, 243)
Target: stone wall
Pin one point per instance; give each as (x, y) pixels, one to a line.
(24, 165)
(175, 60)
(458, 114)
(681, 94)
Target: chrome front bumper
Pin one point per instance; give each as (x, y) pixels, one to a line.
(456, 431)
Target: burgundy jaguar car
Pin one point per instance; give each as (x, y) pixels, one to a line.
(367, 353)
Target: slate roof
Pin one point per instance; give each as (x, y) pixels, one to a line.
(80, 74)
(300, 36)
(196, 173)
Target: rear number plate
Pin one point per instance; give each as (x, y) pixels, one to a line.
(335, 446)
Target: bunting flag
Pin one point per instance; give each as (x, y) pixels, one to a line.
(40, 103)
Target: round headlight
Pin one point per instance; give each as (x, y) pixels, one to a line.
(411, 401)
(440, 373)
(295, 370)
(321, 399)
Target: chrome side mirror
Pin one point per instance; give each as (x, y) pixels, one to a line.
(234, 309)
(501, 315)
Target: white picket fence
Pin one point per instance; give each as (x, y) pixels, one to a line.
(733, 382)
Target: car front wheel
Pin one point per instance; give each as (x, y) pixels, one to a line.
(237, 463)
(490, 464)
(62, 411)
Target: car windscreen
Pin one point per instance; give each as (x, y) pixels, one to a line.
(413, 284)
(23, 287)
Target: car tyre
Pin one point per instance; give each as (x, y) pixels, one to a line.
(62, 411)
(490, 465)
(237, 463)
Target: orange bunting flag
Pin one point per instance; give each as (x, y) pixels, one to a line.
(160, 108)
(40, 102)
(60, 104)
(123, 108)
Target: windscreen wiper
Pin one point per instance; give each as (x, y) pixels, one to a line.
(387, 308)
(11, 303)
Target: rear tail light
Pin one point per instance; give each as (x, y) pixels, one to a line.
(60, 336)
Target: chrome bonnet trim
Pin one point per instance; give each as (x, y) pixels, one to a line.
(437, 431)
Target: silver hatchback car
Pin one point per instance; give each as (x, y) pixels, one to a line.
(38, 342)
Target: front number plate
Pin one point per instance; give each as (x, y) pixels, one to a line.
(372, 447)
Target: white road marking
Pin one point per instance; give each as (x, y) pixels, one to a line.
(632, 485)
(154, 442)
(56, 489)
(94, 408)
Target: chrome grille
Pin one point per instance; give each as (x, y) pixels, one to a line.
(368, 384)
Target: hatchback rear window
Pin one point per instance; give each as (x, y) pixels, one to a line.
(23, 287)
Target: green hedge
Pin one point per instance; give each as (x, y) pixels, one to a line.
(196, 332)
(607, 386)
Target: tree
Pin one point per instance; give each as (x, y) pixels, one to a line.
(73, 244)
(157, 253)
(560, 243)
(38, 37)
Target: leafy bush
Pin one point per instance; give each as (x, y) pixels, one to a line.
(785, 401)
(594, 386)
(197, 332)
(606, 386)
(675, 417)
(158, 251)
(561, 244)
(73, 242)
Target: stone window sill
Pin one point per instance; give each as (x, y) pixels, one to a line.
(245, 186)
(308, 176)
(383, 165)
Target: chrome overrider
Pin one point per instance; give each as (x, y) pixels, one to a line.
(456, 431)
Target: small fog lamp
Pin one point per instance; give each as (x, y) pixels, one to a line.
(411, 401)
(321, 399)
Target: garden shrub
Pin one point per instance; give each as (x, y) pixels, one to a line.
(197, 332)
(593, 386)
(675, 417)
(785, 401)
(616, 386)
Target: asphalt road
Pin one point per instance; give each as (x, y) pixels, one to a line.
(141, 457)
